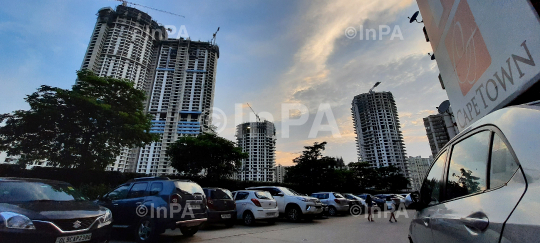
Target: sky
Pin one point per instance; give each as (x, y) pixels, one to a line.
(273, 54)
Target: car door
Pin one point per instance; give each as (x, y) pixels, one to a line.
(279, 197)
(112, 202)
(479, 194)
(135, 197)
(420, 228)
(241, 199)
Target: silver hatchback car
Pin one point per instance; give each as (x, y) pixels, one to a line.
(335, 201)
(484, 185)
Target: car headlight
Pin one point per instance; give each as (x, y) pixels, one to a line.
(106, 219)
(302, 199)
(16, 221)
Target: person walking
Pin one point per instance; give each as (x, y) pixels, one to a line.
(369, 203)
(390, 205)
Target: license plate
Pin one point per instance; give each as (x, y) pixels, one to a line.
(225, 216)
(195, 206)
(270, 214)
(74, 238)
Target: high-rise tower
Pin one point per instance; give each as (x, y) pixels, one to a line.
(258, 140)
(177, 74)
(376, 123)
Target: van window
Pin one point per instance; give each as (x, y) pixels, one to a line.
(503, 164)
(156, 187)
(431, 188)
(468, 166)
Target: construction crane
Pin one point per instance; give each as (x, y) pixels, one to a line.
(214, 37)
(376, 84)
(125, 3)
(258, 119)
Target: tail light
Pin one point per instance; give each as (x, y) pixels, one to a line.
(256, 202)
(337, 201)
(175, 198)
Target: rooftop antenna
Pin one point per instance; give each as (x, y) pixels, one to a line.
(376, 84)
(125, 3)
(258, 119)
(214, 38)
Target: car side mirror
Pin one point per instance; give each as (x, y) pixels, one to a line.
(280, 194)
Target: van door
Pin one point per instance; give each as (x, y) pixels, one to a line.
(430, 193)
(478, 195)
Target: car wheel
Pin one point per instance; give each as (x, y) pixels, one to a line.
(332, 211)
(249, 219)
(146, 230)
(294, 214)
(189, 231)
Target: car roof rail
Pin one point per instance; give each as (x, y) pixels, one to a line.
(151, 178)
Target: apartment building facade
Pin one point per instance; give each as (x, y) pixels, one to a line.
(439, 130)
(177, 74)
(280, 173)
(418, 167)
(379, 140)
(258, 140)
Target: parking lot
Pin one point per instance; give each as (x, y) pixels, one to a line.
(333, 229)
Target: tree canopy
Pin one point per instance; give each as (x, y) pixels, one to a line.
(85, 127)
(208, 154)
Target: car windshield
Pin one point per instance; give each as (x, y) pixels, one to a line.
(221, 194)
(22, 191)
(289, 192)
(188, 187)
(337, 195)
(263, 195)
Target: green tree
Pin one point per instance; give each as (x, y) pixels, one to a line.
(364, 175)
(391, 179)
(85, 127)
(214, 156)
(314, 170)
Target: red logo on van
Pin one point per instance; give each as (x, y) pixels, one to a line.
(466, 48)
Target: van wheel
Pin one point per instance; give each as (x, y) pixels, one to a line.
(189, 231)
(249, 219)
(332, 211)
(146, 230)
(293, 213)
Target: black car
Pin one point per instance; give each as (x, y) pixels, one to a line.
(221, 206)
(379, 202)
(150, 205)
(36, 210)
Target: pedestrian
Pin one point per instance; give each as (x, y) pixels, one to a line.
(369, 203)
(392, 207)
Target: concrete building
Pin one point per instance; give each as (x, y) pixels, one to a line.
(417, 168)
(378, 136)
(440, 129)
(181, 98)
(280, 173)
(258, 139)
(177, 74)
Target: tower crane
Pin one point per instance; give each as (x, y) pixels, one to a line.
(258, 118)
(125, 3)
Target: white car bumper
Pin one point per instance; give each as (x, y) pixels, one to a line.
(266, 213)
(312, 209)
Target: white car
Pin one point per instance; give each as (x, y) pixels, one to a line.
(292, 204)
(254, 205)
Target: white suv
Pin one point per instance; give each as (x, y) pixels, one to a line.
(292, 204)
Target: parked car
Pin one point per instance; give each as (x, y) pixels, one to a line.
(36, 210)
(145, 206)
(355, 200)
(221, 206)
(324, 211)
(252, 205)
(483, 185)
(336, 202)
(293, 205)
(379, 202)
(393, 196)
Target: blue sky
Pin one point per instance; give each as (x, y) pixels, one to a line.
(272, 52)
